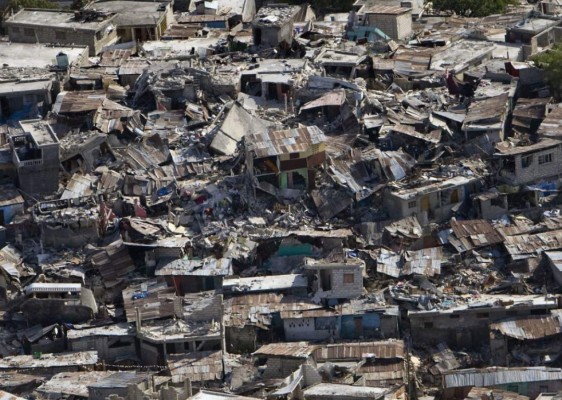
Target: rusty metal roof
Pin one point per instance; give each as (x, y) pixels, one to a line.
(529, 328)
(199, 366)
(359, 350)
(298, 140)
(531, 244)
(257, 309)
(78, 102)
(288, 350)
(473, 234)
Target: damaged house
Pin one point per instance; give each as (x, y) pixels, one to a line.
(285, 159)
(35, 154)
(534, 163)
(433, 201)
(529, 340)
(87, 27)
(273, 25)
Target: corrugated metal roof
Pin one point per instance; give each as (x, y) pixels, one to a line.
(274, 143)
(531, 327)
(289, 350)
(423, 262)
(359, 350)
(71, 383)
(532, 244)
(78, 102)
(257, 309)
(494, 376)
(198, 366)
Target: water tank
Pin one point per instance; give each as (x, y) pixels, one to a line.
(62, 60)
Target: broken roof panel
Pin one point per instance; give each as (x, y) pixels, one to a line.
(209, 266)
(265, 283)
(237, 124)
(425, 262)
(335, 98)
(529, 328)
(471, 234)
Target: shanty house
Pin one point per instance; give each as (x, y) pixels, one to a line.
(395, 21)
(466, 325)
(337, 281)
(522, 165)
(115, 384)
(434, 201)
(286, 159)
(88, 27)
(194, 275)
(530, 381)
(536, 338)
(381, 362)
(58, 302)
(282, 359)
(113, 343)
(350, 321)
(485, 122)
(196, 327)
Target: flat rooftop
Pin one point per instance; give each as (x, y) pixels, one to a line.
(40, 131)
(275, 15)
(58, 19)
(387, 10)
(410, 193)
(534, 25)
(132, 13)
(31, 55)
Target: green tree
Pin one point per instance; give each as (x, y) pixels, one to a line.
(473, 8)
(551, 62)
